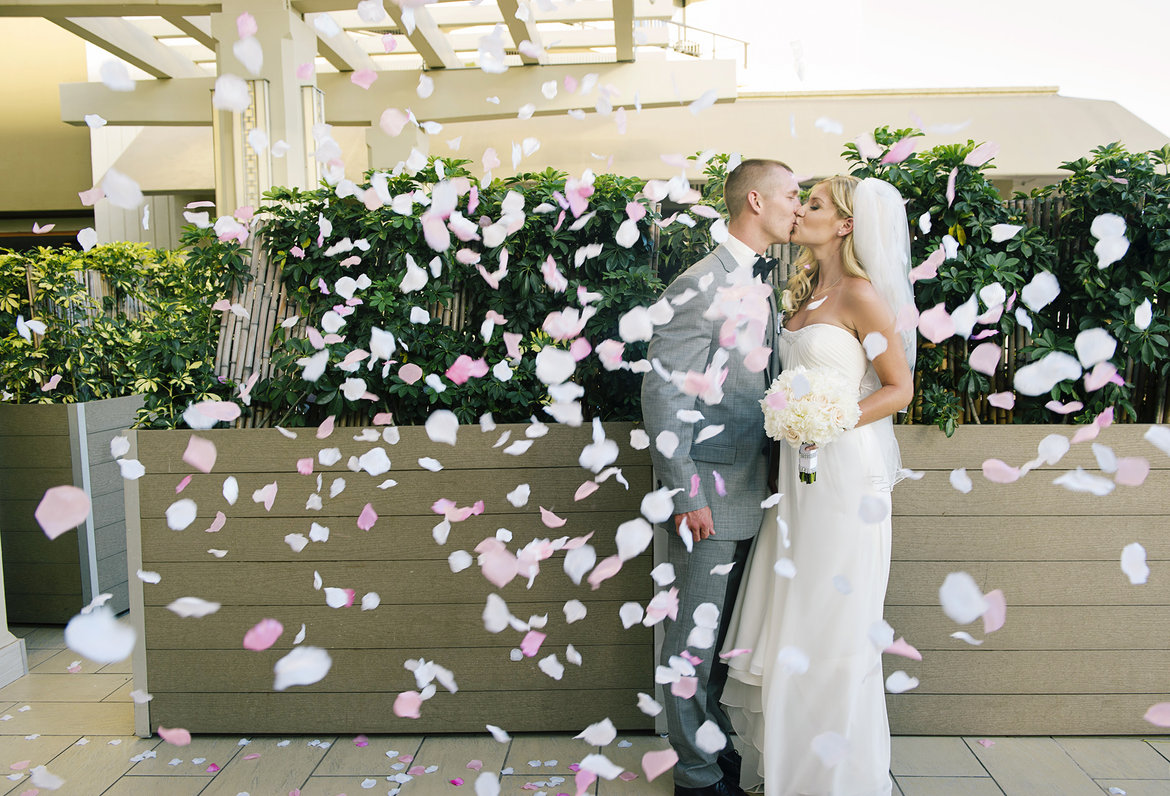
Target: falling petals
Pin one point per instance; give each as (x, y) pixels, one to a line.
(175, 737)
(263, 634)
(961, 598)
(654, 764)
(302, 666)
(367, 518)
(99, 637)
(1133, 563)
(61, 509)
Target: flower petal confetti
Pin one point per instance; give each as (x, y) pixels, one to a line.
(61, 509)
(263, 634)
(99, 636)
(193, 607)
(961, 598)
(302, 666)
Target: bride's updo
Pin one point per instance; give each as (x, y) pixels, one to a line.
(805, 277)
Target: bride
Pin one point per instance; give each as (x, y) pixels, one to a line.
(808, 700)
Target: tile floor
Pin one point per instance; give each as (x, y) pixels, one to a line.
(78, 725)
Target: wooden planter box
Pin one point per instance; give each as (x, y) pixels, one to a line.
(1083, 651)
(203, 679)
(47, 445)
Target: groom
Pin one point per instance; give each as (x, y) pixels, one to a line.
(763, 201)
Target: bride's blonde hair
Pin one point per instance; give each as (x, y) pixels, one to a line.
(805, 274)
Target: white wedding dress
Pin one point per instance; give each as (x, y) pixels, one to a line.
(820, 731)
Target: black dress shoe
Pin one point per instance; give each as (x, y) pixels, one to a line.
(731, 763)
(721, 788)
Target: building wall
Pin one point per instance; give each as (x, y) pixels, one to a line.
(45, 162)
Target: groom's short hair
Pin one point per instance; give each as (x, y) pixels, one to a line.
(749, 175)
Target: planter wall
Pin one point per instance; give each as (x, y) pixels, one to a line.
(203, 679)
(46, 445)
(1082, 652)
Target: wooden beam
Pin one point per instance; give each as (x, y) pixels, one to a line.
(426, 37)
(523, 29)
(197, 28)
(182, 101)
(447, 16)
(133, 45)
(568, 40)
(623, 29)
(339, 49)
(61, 9)
(657, 83)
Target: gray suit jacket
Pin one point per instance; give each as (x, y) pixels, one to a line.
(740, 452)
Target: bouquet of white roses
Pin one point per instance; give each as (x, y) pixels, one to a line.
(807, 408)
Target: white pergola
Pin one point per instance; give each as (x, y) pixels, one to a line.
(618, 51)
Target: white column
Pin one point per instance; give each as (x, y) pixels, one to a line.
(277, 109)
(13, 657)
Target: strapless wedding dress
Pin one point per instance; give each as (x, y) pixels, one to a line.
(808, 701)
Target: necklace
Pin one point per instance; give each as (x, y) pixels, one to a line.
(827, 289)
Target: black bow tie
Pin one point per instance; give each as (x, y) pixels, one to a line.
(764, 266)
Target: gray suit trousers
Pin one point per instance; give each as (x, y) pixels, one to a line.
(696, 585)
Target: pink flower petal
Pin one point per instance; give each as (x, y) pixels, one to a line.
(263, 634)
(179, 487)
(1132, 471)
(549, 519)
(903, 648)
(219, 410)
(1159, 714)
(407, 704)
(465, 368)
(363, 78)
(757, 359)
(361, 741)
(52, 383)
(531, 643)
(981, 154)
(900, 151)
(305, 466)
(985, 358)
(936, 323)
(326, 427)
(1000, 472)
(217, 523)
(604, 571)
(200, 454)
(951, 186)
(410, 373)
(1064, 409)
(985, 743)
(720, 486)
(685, 687)
(1101, 374)
(367, 518)
(1002, 400)
(1086, 433)
(580, 348)
(929, 267)
(253, 756)
(585, 490)
(175, 737)
(62, 508)
(996, 613)
(213, 768)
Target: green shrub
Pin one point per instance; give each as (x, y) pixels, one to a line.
(459, 299)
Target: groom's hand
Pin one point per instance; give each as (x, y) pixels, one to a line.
(699, 521)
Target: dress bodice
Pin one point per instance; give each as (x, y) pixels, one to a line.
(826, 345)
